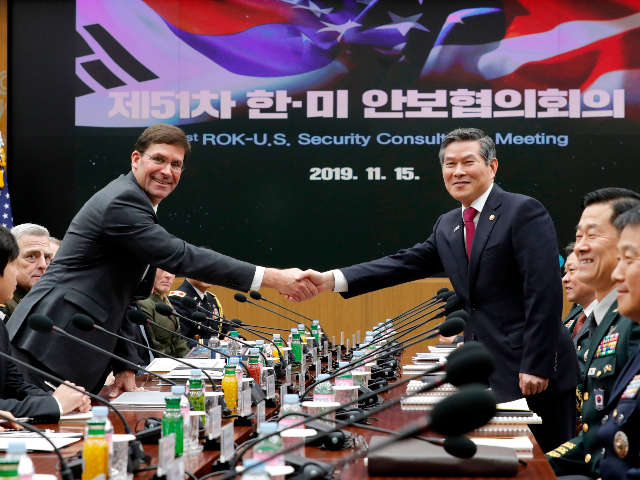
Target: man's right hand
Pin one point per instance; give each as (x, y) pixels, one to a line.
(71, 399)
(9, 425)
(324, 282)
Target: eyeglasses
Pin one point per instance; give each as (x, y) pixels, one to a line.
(177, 167)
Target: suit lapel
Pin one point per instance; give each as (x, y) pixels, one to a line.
(602, 330)
(488, 219)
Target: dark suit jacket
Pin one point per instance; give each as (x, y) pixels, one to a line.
(511, 288)
(98, 269)
(20, 398)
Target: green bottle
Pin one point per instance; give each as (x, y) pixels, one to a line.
(196, 395)
(9, 467)
(296, 346)
(172, 422)
(314, 332)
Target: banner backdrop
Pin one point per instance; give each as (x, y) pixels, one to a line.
(315, 125)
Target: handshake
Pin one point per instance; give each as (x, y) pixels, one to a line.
(297, 285)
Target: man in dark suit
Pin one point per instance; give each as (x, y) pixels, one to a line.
(500, 253)
(112, 244)
(17, 396)
(613, 338)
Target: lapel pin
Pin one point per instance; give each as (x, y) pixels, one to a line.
(615, 311)
(492, 217)
(456, 229)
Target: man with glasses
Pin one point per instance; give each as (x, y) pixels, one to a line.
(109, 256)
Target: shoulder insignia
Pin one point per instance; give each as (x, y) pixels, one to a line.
(177, 293)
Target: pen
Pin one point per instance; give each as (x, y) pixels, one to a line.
(19, 419)
(50, 385)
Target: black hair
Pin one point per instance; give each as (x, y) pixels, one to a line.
(569, 248)
(608, 195)
(9, 250)
(630, 218)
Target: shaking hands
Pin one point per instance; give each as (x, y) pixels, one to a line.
(297, 285)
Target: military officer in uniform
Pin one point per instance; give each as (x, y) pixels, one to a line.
(162, 340)
(613, 337)
(208, 304)
(619, 435)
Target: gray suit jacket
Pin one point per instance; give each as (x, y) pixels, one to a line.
(99, 268)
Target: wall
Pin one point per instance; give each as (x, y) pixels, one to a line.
(336, 314)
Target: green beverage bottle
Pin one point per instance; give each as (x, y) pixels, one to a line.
(296, 346)
(196, 394)
(260, 346)
(173, 422)
(345, 378)
(314, 332)
(302, 332)
(269, 445)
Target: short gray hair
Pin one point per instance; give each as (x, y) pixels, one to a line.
(29, 229)
(487, 147)
(570, 248)
(55, 240)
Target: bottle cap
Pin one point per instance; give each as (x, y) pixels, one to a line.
(276, 335)
(268, 428)
(100, 411)
(294, 330)
(254, 351)
(316, 322)
(291, 398)
(343, 364)
(247, 463)
(357, 353)
(16, 448)
(178, 389)
(323, 376)
(369, 332)
(301, 326)
(196, 372)
(234, 361)
(368, 338)
(259, 342)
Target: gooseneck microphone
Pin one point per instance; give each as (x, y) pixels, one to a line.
(43, 324)
(258, 296)
(86, 324)
(243, 299)
(136, 452)
(65, 471)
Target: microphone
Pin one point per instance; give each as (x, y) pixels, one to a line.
(65, 471)
(192, 304)
(86, 324)
(43, 324)
(439, 297)
(282, 364)
(242, 299)
(258, 296)
(136, 453)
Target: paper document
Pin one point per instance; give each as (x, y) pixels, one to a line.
(142, 399)
(38, 444)
(160, 365)
(76, 417)
(516, 405)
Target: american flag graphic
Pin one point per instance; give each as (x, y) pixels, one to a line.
(300, 45)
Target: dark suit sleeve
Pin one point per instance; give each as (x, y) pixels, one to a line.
(131, 226)
(124, 349)
(405, 266)
(23, 399)
(536, 251)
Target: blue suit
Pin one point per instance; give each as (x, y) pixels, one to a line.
(510, 286)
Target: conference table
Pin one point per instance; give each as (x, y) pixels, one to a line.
(200, 464)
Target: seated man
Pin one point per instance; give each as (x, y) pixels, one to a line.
(613, 338)
(208, 304)
(33, 260)
(619, 434)
(16, 396)
(159, 339)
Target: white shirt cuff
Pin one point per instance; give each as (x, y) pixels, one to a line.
(59, 405)
(257, 278)
(341, 285)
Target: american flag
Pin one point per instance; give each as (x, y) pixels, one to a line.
(7, 214)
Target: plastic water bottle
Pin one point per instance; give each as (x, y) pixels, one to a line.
(291, 403)
(103, 413)
(234, 346)
(358, 372)
(185, 408)
(371, 347)
(214, 342)
(296, 346)
(25, 465)
(345, 378)
(196, 393)
(254, 473)
(323, 392)
(269, 445)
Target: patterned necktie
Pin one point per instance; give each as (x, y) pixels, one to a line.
(469, 227)
(579, 322)
(593, 325)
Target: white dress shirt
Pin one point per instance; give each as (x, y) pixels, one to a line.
(590, 308)
(342, 285)
(604, 305)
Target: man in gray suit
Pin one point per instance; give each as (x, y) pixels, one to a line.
(109, 255)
